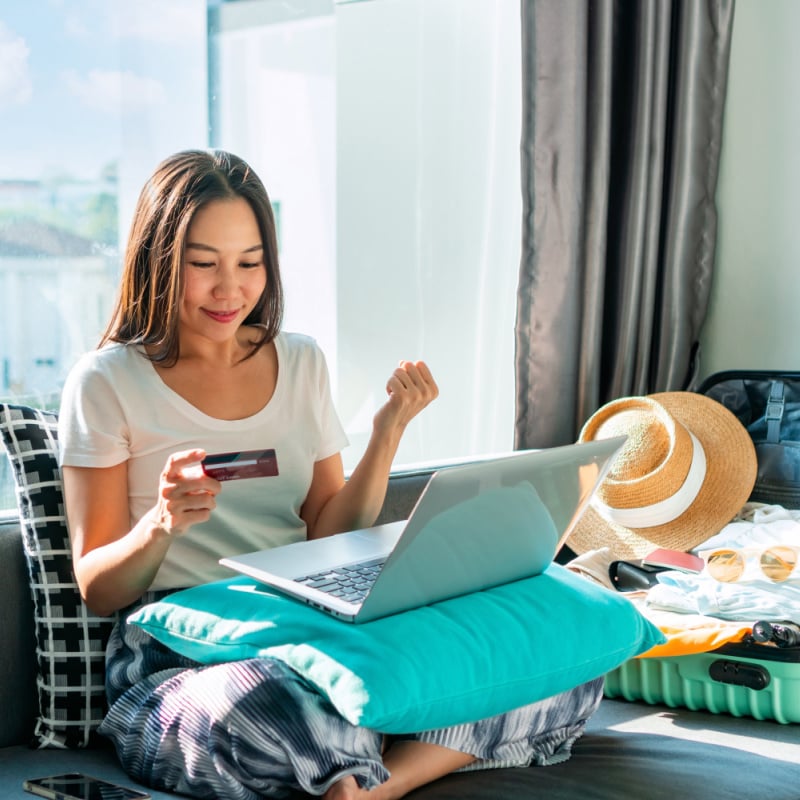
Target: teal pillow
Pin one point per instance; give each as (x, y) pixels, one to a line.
(456, 661)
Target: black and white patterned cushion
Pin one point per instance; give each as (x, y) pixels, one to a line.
(70, 639)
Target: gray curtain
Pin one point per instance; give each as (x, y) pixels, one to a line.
(622, 123)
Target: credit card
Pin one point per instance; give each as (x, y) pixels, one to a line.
(242, 464)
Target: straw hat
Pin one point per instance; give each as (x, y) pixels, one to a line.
(687, 468)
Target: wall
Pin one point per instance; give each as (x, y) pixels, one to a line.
(752, 320)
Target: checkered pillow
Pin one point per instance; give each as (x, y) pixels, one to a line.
(70, 640)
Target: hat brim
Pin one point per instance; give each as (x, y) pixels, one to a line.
(730, 476)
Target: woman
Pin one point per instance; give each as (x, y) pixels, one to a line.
(194, 362)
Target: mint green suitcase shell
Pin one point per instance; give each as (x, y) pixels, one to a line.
(730, 680)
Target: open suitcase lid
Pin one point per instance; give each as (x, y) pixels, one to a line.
(767, 403)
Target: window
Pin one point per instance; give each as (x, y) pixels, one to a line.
(386, 131)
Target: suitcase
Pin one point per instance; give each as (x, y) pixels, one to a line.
(741, 678)
(768, 405)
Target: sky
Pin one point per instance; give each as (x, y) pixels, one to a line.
(84, 81)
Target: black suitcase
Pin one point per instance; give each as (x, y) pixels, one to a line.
(768, 405)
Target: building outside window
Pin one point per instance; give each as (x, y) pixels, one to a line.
(386, 132)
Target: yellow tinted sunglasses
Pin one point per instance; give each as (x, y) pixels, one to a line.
(727, 565)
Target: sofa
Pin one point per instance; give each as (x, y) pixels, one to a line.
(629, 750)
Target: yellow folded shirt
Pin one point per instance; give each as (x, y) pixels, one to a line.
(692, 633)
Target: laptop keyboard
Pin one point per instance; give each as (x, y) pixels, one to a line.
(349, 583)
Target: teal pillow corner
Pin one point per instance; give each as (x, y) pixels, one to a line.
(456, 661)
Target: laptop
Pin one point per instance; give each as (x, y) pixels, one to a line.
(474, 526)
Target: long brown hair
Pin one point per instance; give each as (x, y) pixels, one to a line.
(151, 288)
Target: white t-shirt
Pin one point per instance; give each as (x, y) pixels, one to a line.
(116, 408)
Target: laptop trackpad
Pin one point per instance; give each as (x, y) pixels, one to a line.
(305, 558)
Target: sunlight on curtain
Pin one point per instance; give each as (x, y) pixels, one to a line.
(428, 214)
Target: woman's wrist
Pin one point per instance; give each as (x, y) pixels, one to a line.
(154, 529)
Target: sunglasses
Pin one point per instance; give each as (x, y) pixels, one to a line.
(727, 565)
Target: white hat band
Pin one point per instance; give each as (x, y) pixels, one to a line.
(665, 510)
